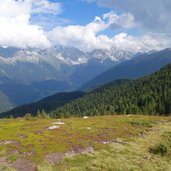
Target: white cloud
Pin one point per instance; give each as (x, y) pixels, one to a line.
(88, 37)
(140, 43)
(11, 9)
(15, 27)
(125, 20)
(82, 37)
(45, 6)
(17, 32)
(152, 15)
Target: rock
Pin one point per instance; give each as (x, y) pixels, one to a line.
(53, 127)
(118, 141)
(79, 150)
(71, 153)
(58, 123)
(85, 117)
(88, 128)
(6, 142)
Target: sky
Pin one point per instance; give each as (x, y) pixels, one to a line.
(131, 25)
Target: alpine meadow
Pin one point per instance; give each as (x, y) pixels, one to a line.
(85, 85)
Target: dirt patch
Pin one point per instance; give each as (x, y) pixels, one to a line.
(79, 150)
(15, 152)
(24, 165)
(3, 162)
(23, 136)
(55, 158)
(7, 142)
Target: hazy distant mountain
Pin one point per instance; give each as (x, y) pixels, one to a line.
(27, 75)
(139, 66)
(5, 103)
(30, 65)
(47, 104)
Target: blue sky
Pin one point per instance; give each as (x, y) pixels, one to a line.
(81, 12)
(78, 12)
(74, 12)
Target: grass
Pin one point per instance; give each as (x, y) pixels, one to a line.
(141, 135)
(163, 148)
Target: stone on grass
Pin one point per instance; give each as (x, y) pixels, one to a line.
(58, 123)
(88, 128)
(85, 117)
(53, 127)
(6, 142)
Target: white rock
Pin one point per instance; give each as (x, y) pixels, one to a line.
(53, 127)
(88, 128)
(129, 115)
(85, 117)
(58, 123)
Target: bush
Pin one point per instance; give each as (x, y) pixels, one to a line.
(42, 115)
(29, 117)
(159, 149)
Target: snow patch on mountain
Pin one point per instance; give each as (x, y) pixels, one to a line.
(70, 56)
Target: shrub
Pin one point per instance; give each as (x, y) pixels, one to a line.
(29, 117)
(159, 149)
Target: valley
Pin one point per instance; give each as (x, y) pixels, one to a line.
(28, 75)
(149, 95)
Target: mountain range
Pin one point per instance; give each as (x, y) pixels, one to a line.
(27, 75)
(140, 65)
(147, 95)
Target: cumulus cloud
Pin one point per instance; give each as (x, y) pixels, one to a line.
(152, 15)
(16, 29)
(17, 32)
(140, 43)
(88, 37)
(45, 6)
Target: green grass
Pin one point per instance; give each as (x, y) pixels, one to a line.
(12, 158)
(163, 148)
(139, 134)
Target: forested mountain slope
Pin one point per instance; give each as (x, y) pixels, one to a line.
(148, 95)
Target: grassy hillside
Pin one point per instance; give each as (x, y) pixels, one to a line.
(93, 144)
(148, 95)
